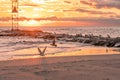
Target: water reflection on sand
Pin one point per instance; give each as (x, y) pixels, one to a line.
(33, 53)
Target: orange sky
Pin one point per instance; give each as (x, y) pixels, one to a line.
(63, 12)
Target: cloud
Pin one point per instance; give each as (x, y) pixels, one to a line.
(95, 21)
(89, 11)
(29, 4)
(3, 19)
(93, 11)
(102, 3)
(86, 2)
(68, 2)
(101, 21)
(92, 21)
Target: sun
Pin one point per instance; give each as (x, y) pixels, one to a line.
(38, 1)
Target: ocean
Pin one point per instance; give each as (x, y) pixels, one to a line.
(104, 31)
(17, 47)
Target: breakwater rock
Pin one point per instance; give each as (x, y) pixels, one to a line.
(93, 40)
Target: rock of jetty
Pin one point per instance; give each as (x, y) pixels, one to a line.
(93, 40)
(31, 33)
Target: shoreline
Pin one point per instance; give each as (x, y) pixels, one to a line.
(48, 57)
(51, 52)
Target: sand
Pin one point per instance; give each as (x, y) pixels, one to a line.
(91, 67)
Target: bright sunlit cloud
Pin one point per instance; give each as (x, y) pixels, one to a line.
(38, 1)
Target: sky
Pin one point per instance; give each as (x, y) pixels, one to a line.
(63, 12)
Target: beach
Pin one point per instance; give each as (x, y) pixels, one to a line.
(78, 57)
(20, 59)
(84, 67)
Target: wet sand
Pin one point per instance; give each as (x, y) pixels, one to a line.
(84, 67)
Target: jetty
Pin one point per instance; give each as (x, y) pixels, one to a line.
(87, 38)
